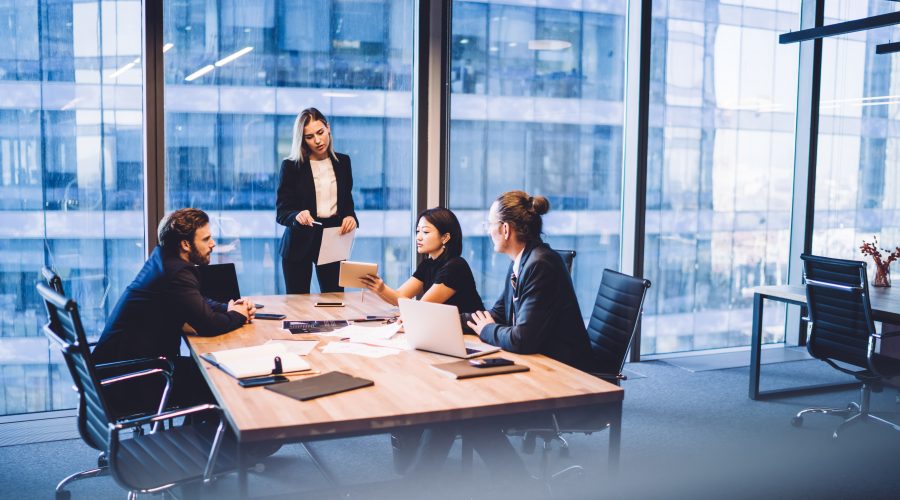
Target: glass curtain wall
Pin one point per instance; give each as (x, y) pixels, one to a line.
(536, 103)
(720, 169)
(71, 177)
(858, 168)
(237, 73)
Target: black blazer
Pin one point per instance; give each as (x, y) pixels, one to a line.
(547, 317)
(147, 321)
(297, 192)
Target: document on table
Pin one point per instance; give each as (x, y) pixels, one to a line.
(359, 333)
(335, 246)
(256, 360)
(298, 347)
(368, 351)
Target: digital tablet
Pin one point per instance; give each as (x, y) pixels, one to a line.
(352, 271)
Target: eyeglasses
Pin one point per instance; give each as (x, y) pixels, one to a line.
(486, 225)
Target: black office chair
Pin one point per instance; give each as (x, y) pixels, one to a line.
(568, 257)
(53, 279)
(145, 463)
(611, 330)
(841, 329)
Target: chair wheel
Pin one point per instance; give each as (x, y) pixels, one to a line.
(797, 421)
(63, 495)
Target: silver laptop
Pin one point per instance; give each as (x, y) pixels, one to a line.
(436, 328)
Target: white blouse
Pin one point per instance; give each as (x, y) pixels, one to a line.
(326, 187)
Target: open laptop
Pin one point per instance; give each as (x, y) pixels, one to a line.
(436, 328)
(219, 282)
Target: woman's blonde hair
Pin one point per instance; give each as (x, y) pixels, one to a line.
(299, 149)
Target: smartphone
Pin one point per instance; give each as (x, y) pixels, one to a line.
(329, 304)
(258, 381)
(269, 316)
(489, 362)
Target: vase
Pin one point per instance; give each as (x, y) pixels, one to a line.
(882, 275)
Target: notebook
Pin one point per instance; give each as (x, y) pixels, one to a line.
(462, 369)
(255, 361)
(320, 385)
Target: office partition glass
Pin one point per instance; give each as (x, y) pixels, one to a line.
(71, 177)
(237, 74)
(857, 174)
(720, 170)
(536, 103)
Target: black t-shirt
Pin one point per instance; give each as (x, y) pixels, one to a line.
(452, 272)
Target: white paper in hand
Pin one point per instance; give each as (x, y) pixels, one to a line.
(335, 246)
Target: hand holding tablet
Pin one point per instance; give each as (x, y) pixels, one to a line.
(351, 272)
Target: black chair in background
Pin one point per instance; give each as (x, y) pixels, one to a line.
(611, 329)
(53, 280)
(841, 329)
(145, 463)
(568, 257)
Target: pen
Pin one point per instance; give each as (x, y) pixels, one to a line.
(317, 223)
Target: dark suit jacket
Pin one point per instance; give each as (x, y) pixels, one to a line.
(547, 318)
(147, 321)
(297, 192)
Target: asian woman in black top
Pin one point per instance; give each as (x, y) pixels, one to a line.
(443, 277)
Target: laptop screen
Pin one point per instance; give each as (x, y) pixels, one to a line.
(219, 282)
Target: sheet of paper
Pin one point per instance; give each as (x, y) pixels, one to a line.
(335, 246)
(399, 343)
(364, 333)
(299, 347)
(368, 351)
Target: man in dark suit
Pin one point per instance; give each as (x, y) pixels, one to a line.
(148, 320)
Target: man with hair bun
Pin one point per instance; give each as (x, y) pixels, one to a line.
(148, 320)
(538, 311)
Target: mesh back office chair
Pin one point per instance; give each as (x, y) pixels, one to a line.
(841, 329)
(568, 256)
(611, 330)
(146, 462)
(105, 370)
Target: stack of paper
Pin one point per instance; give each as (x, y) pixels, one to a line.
(256, 360)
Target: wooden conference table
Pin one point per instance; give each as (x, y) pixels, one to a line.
(407, 390)
(885, 308)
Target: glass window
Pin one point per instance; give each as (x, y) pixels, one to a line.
(536, 104)
(237, 74)
(71, 177)
(857, 174)
(720, 171)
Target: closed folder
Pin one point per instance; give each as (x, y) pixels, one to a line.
(320, 385)
(462, 369)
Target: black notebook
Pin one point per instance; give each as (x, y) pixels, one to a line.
(320, 385)
(316, 326)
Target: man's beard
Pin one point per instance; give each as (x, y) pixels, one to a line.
(196, 258)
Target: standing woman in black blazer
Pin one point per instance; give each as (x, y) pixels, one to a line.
(313, 193)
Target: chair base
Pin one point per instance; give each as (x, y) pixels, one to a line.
(63, 494)
(853, 414)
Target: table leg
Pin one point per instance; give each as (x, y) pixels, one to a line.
(756, 345)
(242, 472)
(615, 438)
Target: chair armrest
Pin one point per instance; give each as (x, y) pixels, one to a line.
(134, 365)
(160, 417)
(163, 400)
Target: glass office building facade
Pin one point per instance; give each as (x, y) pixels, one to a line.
(537, 102)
